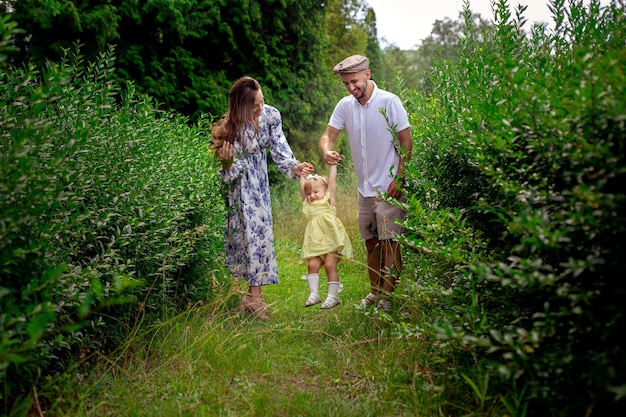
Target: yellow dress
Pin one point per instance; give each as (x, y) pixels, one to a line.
(324, 231)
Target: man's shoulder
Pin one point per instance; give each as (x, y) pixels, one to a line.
(347, 99)
(385, 95)
(389, 100)
(345, 102)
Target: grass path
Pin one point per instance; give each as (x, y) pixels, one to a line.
(304, 362)
(212, 361)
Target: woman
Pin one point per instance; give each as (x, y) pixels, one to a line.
(240, 139)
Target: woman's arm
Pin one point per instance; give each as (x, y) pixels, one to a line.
(232, 166)
(280, 150)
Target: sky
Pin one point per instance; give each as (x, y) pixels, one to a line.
(406, 22)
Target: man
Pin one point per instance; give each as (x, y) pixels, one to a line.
(379, 168)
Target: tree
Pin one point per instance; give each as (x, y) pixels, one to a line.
(414, 66)
(346, 30)
(186, 53)
(372, 50)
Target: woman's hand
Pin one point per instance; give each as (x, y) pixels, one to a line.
(302, 169)
(226, 153)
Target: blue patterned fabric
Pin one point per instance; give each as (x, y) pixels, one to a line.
(249, 237)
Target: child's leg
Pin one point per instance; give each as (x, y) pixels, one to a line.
(314, 264)
(330, 264)
(313, 279)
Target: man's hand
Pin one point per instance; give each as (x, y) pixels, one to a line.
(332, 158)
(395, 189)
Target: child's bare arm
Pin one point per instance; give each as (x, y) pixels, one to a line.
(332, 183)
(302, 181)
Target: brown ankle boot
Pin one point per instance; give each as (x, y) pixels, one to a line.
(255, 305)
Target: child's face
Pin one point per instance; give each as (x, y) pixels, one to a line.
(317, 192)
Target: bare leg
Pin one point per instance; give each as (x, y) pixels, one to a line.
(253, 302)
(314, 265)
(374, 263)
(313, 281)
(330, 265)
(393, 265)
(255, 291)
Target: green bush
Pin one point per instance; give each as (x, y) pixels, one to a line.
(110, 215)
(515, 196)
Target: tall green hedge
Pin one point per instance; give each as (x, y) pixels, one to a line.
(516, 198)
(110, 215)
(187, 53)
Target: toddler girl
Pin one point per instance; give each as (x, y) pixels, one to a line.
(325, 237)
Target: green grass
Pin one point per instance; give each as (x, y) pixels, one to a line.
(213, 361)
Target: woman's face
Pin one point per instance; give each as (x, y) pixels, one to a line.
(258, 104)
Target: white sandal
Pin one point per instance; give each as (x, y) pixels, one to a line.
(330, 302)
(312, 300)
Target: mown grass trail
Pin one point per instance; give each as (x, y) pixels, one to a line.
(212, 361)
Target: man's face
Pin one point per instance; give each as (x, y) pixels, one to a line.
(356, 83)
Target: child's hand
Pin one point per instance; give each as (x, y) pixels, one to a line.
(332, 157)
(303, 169)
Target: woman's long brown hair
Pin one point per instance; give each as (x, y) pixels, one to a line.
(240, 112)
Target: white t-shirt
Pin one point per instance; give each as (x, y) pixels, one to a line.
(373, 154)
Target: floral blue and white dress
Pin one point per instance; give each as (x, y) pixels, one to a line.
(249, 237)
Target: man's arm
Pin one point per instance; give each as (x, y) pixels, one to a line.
(326, 146)
(406, 147)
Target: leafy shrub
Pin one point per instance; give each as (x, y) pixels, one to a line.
(515, 194)
(110, 215)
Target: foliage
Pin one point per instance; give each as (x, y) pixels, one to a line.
(372, 50)
(515, 196)
(443, 43)
(213, 361)
(8, 29)
(346, 29)
(110, 215)
(186, 54)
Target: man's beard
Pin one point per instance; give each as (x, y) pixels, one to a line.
(363, 91)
